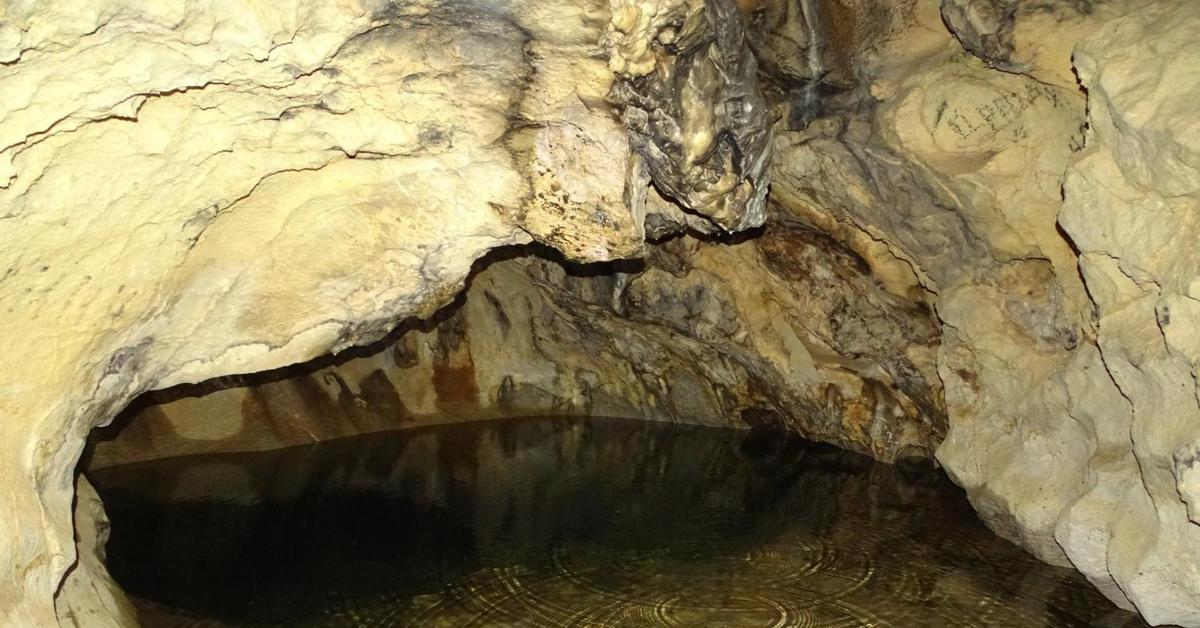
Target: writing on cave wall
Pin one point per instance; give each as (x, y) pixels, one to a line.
(975, 120)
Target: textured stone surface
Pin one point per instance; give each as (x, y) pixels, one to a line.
(192, 189)
(1052, 267)
(787, 328)
(1072, 404)
(1131, 208)
(692, 103)
(89, 597)
(1032, 38)
(1098, 471)
(162, 218)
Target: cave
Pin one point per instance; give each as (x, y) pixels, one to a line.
(600, 312)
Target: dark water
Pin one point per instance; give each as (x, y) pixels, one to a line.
(570, 523)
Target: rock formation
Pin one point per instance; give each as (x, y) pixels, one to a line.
(191, 190)
(195, 189)
(787, 328)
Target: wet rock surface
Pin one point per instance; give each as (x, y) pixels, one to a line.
(698, 125)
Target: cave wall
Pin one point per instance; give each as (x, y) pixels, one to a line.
(193, 190)
(1129, 207)
(1040, 179)
(786, 328)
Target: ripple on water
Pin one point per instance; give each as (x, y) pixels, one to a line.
(590, 522)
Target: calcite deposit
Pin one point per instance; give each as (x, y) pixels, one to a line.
(691, 101)
(980, 242)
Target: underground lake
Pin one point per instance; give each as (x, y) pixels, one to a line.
(570, 522)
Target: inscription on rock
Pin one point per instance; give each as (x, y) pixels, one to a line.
(979, 120)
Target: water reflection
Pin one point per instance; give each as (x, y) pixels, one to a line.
(582, 522)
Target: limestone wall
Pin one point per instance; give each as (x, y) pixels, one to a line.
(192, 189)
(1041, 183)
(786, 328)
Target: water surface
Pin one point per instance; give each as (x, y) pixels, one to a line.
(570, 522)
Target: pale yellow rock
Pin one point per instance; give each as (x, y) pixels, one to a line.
(191, 189)
(90, 599)
(637, 24)
(1131, 209)
(1069, 381)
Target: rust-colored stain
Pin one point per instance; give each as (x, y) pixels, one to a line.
(791, 252)
(749, 6)
(453, 367)
(254, 411)
(455, 384)
(841, 26)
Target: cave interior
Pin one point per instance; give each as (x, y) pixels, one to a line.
(600, 313)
